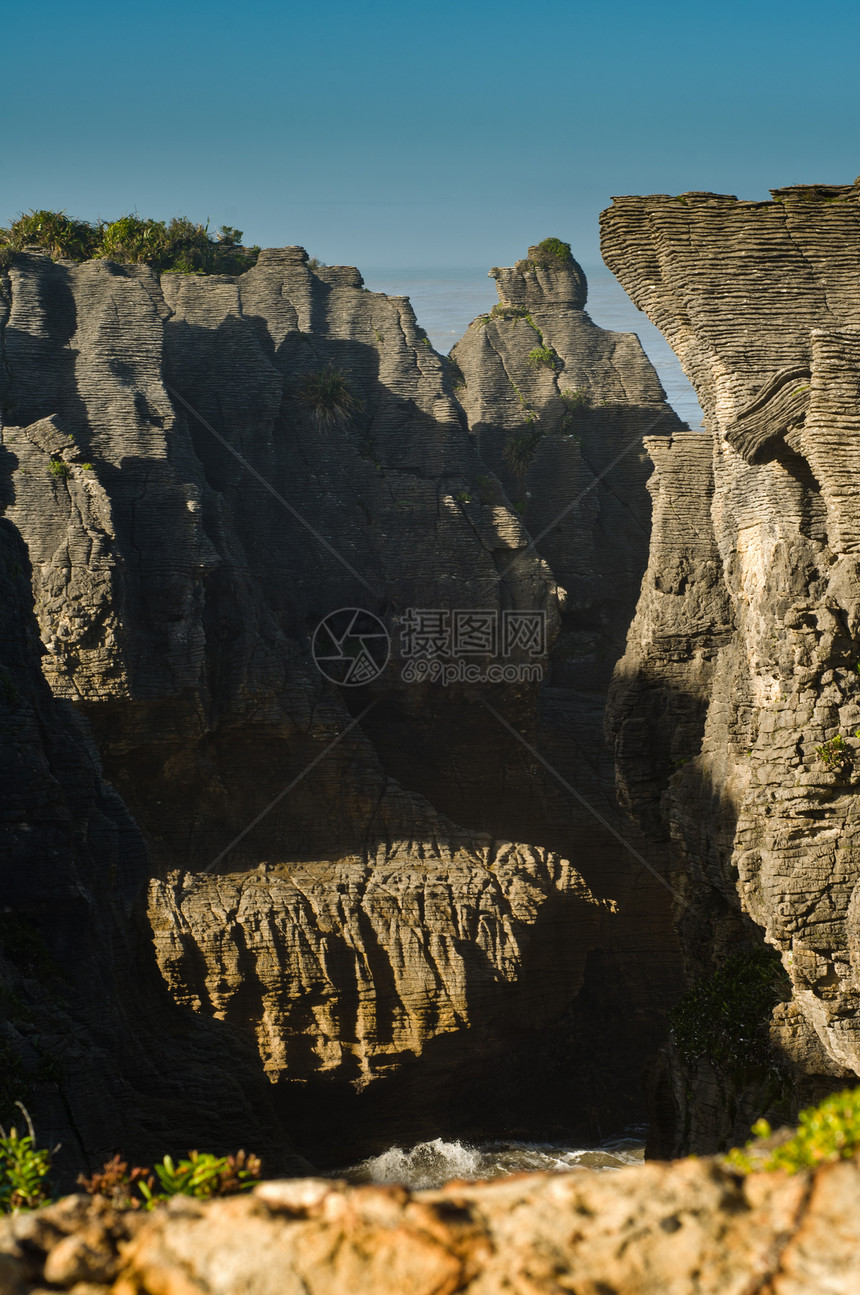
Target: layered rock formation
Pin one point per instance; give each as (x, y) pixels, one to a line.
(678, 1229)
(736, 707)
(380, 895)
(558, 407)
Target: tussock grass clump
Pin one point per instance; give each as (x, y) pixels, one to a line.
(519, 450)
(328, 398)
(56, 233)
(503, 311)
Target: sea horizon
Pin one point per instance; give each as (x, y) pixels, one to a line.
(447, 299)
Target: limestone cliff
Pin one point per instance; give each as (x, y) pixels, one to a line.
(381, 895)
(735, 709)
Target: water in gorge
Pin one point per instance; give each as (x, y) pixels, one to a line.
(431, 1164)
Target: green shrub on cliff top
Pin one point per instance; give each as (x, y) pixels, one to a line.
(725, 1019)
(551, 253)
(180, 245)
(827, 1132)
(55, 232)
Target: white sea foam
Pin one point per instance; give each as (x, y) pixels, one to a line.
(427, 1164)
(431, 1164)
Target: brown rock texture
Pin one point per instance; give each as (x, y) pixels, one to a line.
(387, 897)
(735, 709)
(688, 1228)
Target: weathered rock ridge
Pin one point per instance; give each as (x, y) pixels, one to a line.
(690, 1228)
(736, 707)
(378, 900)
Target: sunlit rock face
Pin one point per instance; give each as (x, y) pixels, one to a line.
(386, 897)
(741, 671)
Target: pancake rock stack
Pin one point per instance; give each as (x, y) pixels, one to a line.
(736, 709)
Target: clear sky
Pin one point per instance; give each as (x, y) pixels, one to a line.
(419, 134)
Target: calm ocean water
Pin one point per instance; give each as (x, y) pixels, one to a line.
(446, 302)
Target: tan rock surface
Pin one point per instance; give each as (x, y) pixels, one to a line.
(688, 1228)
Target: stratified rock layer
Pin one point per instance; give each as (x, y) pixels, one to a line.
(742, 670)
(559, 407)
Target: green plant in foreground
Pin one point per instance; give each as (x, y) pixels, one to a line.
(724, 1019)
(328, 398)
(827, 1132)
(59, 468)
(23, 1169)
(201, 1174)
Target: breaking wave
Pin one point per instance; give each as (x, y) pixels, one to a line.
(432, 1164)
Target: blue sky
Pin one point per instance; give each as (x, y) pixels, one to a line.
(420, 134)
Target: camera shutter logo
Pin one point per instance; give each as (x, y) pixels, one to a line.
(351, 647)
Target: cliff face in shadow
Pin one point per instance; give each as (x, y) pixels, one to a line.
(735, 709)
(89, 1035)
(385, 898)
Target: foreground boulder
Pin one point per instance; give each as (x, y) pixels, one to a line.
(670, 1228)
